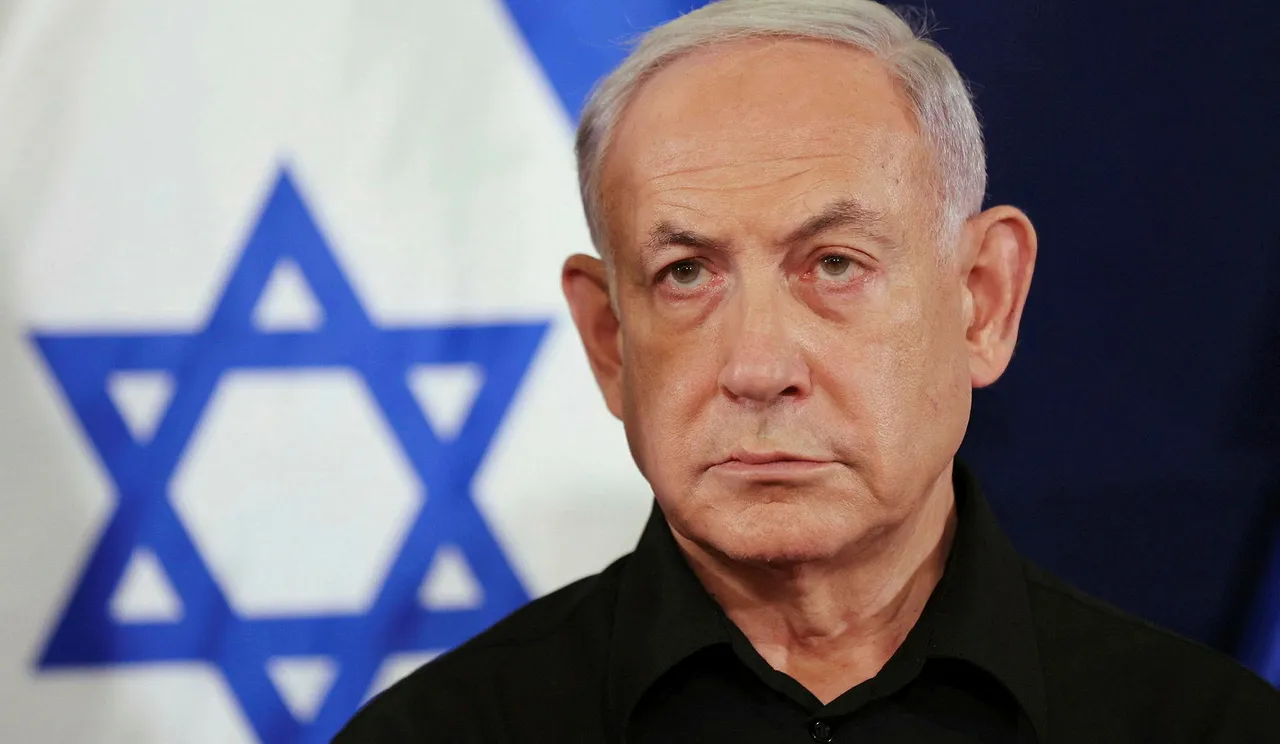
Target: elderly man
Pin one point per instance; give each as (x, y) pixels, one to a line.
(797, 292)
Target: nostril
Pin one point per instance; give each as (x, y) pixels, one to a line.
(791, 391)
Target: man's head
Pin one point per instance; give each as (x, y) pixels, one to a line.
(800, 291)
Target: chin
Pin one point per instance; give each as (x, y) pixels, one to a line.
(776, 533)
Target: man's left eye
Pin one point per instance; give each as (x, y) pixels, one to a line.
(835, 267)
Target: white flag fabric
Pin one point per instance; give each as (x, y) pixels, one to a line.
(290, 400)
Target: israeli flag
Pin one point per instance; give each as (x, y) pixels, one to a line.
(1260, 646)
(290, 400)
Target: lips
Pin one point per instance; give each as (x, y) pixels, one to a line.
(765, 458)
(772, 465)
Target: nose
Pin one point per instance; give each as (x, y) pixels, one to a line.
(765, 361)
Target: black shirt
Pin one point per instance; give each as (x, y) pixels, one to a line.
(1002, 652)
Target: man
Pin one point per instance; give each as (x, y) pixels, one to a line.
(797, 292)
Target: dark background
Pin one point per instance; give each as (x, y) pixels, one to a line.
(1134, 445)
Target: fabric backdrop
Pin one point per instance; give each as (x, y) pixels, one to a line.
(289, 401)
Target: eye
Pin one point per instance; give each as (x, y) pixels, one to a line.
(686, 274)
(837, 268)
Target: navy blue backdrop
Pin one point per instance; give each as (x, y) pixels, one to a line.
(1134, 445)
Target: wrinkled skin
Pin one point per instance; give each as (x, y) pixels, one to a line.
(795, 346)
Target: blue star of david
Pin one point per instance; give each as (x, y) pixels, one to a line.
(210, 630)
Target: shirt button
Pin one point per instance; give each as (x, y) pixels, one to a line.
(820, 731)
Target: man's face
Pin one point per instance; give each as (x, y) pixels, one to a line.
(794, 373)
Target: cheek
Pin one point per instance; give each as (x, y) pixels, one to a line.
(927, 377)
(667, 384)
(896, 370)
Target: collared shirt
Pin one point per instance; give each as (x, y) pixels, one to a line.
(1002, 652)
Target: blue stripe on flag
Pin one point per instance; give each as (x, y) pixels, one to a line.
(1261, 649)
(578, 41)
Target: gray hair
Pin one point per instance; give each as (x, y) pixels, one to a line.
(933, 87)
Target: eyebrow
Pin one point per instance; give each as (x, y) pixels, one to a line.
(665, 233)
(843, 213)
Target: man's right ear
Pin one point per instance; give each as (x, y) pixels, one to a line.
(586, 286)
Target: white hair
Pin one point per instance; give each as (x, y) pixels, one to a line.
(936, 93)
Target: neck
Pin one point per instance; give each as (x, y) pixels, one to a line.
(833, 624)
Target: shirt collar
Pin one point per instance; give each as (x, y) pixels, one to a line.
(663, 616)
(980, 612)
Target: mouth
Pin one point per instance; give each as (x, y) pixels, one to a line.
(771, 465)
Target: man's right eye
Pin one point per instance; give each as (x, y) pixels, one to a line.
(686, 274)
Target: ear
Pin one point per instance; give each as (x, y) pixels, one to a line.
(1003, 257)
(586, 287)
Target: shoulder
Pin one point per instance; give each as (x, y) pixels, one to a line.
(1102, 664)
(527, 661)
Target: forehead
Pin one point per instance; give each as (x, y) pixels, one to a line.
(764, 118)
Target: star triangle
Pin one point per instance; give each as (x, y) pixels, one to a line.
(142, 461)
